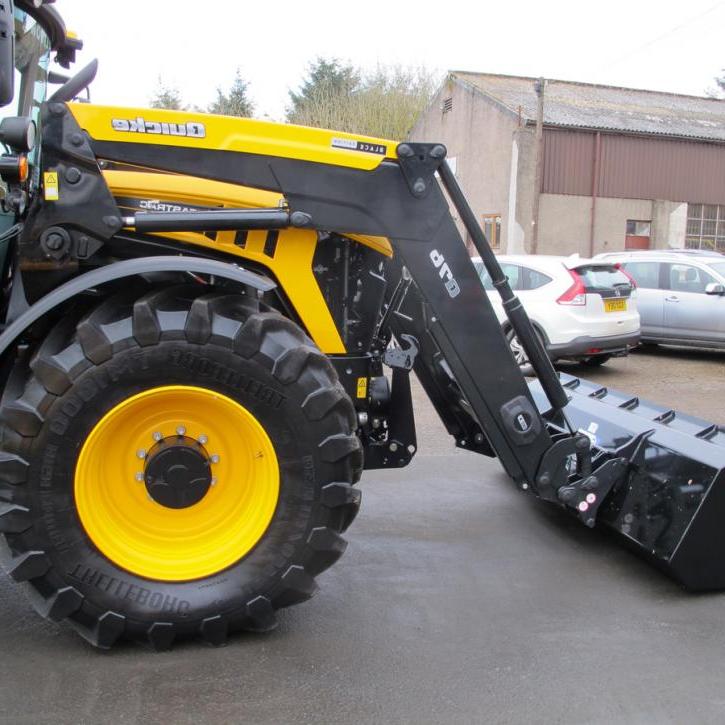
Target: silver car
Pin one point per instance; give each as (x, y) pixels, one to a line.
(681, 295)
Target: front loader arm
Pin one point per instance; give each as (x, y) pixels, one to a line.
(648, 477)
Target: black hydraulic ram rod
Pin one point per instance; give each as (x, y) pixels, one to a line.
(217, 220)
(512, 306)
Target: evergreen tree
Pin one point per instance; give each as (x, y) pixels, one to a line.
(236, 102)
(720, 81)
(166, 96)
(326, 78)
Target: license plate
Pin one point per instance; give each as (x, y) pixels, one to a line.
(618, 305)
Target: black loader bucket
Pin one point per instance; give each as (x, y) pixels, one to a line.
(670, 507)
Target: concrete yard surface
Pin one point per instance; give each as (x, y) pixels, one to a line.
(459, 600)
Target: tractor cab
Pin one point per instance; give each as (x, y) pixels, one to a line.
(29, 33)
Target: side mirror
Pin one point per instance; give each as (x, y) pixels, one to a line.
(7, 52)
(714, 288)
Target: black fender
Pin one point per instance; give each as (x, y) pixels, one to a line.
(128, 268)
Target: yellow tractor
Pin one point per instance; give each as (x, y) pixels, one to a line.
(208, 328)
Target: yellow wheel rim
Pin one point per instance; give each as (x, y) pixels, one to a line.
(154, 541)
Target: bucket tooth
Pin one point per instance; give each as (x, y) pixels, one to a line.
(667, 417)
(709, 432)
(630, 403)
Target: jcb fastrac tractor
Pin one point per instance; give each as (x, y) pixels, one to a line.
(208, 328)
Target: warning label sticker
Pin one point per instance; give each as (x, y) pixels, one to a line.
(50, 184)
(362, 387)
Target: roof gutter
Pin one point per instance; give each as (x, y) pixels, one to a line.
(531, 123)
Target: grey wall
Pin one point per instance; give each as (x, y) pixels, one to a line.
(565, 223)
(478, 133)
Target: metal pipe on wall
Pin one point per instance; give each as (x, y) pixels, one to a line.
(539, 86)
(595, 189)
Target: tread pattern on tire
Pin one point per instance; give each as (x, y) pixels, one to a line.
(143, 318)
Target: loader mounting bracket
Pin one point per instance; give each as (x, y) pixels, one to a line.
(589, 486)
(586, 495)
(555, 463)
(401, 444)
(402, 357)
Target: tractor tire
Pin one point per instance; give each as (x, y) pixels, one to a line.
(175, 465)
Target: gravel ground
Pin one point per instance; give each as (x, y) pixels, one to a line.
(460, 600)
(692, 381)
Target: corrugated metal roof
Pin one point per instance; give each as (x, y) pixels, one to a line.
(584, 105)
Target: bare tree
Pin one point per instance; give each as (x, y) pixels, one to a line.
(384, 103)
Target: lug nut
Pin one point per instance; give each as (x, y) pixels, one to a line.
(213, 481)
(139, 476)
(214, 458)
(156, 435)
(141, 453)
(203, 439)
(181, 430)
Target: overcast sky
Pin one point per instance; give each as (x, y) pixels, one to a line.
(665, 45)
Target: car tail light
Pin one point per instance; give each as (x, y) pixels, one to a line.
(619, 266)
(576, 294)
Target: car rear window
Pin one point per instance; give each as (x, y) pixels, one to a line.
(646, 274)
(520, 278)
(603, 278)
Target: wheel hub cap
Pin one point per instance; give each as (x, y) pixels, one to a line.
(178, 472)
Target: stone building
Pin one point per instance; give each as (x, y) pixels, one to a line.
(557, 167)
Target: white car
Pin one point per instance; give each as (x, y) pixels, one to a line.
(582, 309)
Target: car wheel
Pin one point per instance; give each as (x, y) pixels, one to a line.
(594, 361)
(522, 359)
